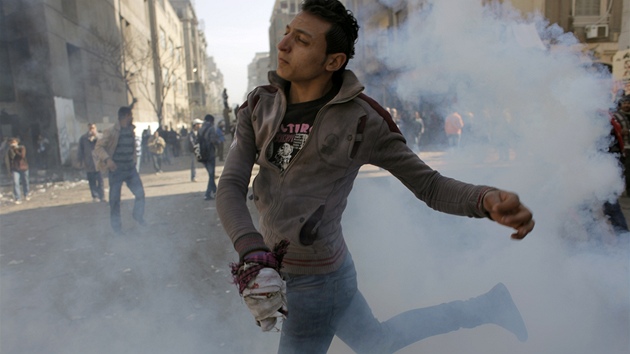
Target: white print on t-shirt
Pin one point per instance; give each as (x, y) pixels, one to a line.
(283, 156)
(289, 140)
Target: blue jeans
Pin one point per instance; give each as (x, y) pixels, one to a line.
(322, 306)
(211, 190)
(453, 140)
(21, 183)
(157, 161)
(134, 183)
(95, 180)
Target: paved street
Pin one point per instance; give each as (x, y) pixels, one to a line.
(69, 285)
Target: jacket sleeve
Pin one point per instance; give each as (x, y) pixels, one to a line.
(100, 154)
(234, 184)
(81, 151)
(441, 193)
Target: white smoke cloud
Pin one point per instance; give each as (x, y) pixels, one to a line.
(541, 104)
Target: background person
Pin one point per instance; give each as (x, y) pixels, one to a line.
(209, 137)
(115, 153)
(192, 142)
(157, 148)
(87, 142)
(453, 128)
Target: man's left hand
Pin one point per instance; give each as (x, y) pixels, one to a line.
(506, 209)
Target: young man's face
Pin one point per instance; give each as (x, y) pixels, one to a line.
(625, 106)
(302, 51)
(127, 120)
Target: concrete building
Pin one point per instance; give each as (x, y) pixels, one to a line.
(164, 90)
(596, 24)
(214, 88)
(257, 71)
(624, 36)
(52, 73)
(66, 63)
(195, 47)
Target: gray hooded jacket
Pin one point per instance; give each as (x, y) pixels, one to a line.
(304, 203)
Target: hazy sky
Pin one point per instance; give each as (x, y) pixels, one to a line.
(235, 30)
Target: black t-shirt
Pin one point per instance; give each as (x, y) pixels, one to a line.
(295, 129)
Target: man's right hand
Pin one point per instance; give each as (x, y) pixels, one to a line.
(111, 165)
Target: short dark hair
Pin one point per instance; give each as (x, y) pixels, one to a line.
(344, 31)
(209, 118)
(123, 111)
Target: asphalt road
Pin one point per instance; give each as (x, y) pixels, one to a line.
(70, 285)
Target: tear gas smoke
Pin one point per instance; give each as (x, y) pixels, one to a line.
(539, 104)
(535, 130)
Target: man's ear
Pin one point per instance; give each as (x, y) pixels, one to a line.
(335, 61)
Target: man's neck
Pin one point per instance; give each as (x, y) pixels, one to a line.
(300, 92)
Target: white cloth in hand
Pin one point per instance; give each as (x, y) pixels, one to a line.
(266, 298)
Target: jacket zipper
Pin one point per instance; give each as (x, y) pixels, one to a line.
(273, 210)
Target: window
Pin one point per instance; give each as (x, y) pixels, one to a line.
(590, 12)
(587, 7)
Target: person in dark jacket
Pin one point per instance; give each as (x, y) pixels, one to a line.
(192, 141)
(209, 134)
(87, 142)
(310, 132)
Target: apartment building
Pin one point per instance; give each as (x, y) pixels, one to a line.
(195, 47)
(257, 71)
(214, 88)
(52, 70)
(69, 62)
(165, 89)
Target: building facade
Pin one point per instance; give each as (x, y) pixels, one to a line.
(67, 63)
(214, 88)
(257, 71)
(53, 81)
(195, 46)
